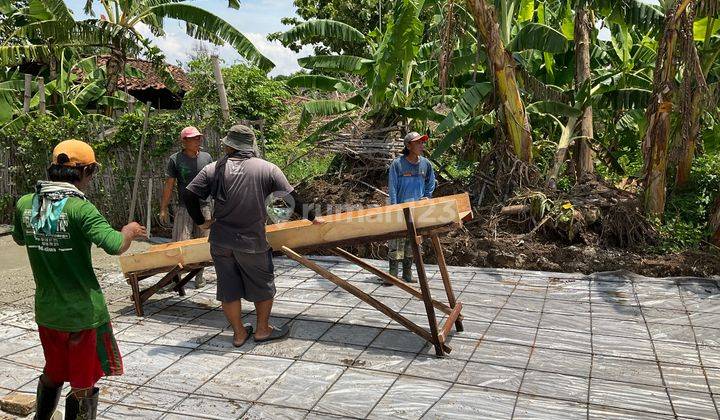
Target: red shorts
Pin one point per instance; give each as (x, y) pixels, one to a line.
(82, 357)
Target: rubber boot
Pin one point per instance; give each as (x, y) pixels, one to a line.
(393, 271)
(47, 399)
(200, 280)
(84, 408)
(407, 271)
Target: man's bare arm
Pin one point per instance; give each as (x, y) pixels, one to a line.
(165, 202)
(130, 232)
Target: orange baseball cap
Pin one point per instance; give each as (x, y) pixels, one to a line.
(73, 153)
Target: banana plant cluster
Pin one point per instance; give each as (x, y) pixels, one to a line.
(391, 74)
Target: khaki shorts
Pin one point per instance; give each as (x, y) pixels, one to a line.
(184, 227)
(243, 275)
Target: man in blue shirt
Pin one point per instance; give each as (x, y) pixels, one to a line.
(411, 178)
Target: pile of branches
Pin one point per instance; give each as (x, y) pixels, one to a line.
(376, 144)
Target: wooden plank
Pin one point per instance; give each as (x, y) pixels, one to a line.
(364, 297)
(453, 317)
(358, 226)
(302, 234)
(463, 208)
(167, 279)
(422, 279)
(391, 279)
(437, 247)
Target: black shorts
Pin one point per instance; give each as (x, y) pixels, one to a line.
(241, 275)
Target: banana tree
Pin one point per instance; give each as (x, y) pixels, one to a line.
(388, 74)
(583, 27)
(511, 110)
(705, 30)
(678, 25)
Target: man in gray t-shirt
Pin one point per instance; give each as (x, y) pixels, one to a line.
(241, 185)
(181, 168)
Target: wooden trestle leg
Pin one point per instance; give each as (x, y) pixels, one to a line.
(368, 299)
(422, 279)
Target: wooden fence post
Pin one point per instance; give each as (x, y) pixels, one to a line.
(138, 167)
(131, 104)
(148, 223)
(28, 93)
(221, 88)
(41, 91)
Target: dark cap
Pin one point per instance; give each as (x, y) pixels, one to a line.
(240, 137)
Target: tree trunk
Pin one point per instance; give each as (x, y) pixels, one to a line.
(52, 64)
(690, 129)
(714, 222)
(655, 144)
(511, 110)
(583, 151)
(113, 67)
(694, 86)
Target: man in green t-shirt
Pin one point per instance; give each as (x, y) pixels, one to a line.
(58, 225)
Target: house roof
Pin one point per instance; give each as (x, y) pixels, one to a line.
(152, 79)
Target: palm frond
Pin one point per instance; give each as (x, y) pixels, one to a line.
(324, 28)
(322, 108)
(468, 103)
(215, 25)
(321, 82)
(340, 63)
(536, 36)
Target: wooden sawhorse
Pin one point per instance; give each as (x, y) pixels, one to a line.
(437, 335)
(173, 275)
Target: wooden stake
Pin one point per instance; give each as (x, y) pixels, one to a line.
(367, 299)
(221, 88)
(422, 279)
(148, 215)
(437, 247)
(131, 104)
(28, 93)
(262, 138)
(138, 166)
(41, 92)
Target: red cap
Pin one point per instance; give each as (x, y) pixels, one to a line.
(190, 131)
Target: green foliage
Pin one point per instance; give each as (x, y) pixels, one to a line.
(325, 29)
(281, 154)
(162, 136)
(359, 14)
(536, 36)
(687, 211)
(30, 149)
(251, 96)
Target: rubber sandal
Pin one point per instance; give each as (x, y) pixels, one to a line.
(249, 330)
(276, 334)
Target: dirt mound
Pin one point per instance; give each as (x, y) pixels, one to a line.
(595, 227)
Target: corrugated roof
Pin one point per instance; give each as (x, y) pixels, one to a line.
(152, 80)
